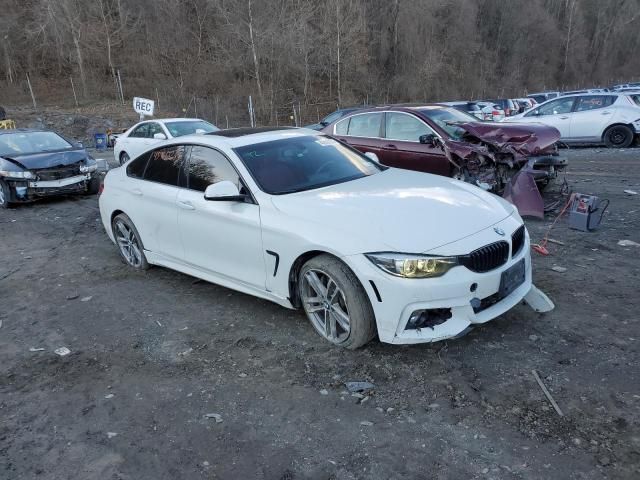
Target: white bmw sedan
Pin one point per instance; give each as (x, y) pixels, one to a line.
(298, 218)
(144, 135)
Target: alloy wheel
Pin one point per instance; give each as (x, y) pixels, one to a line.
(128, 244)
(2, 197)
(325, 305)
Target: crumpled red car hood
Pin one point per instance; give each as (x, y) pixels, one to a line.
(526, 139)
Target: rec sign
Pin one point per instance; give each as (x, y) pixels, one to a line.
(143, 106)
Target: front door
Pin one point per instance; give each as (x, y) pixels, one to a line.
(402, 147)
(556, 113)
(221, 237)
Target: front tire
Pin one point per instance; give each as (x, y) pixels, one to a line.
(94, 186)
(618, 136)
(124, 158)
(335, 302)
(4, 195)
(129, 242)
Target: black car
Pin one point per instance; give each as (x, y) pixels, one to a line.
(332, 117)
(40, 163)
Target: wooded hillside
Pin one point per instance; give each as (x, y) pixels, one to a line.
(316, 53)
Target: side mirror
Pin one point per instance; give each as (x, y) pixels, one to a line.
(372, 156)
(79, 145)
(428, 139)
(200, 131)
(159, 136)
(224, 191)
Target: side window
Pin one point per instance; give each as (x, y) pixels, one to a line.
(153, 129)
(365, 125)
(140, 132)
(562, 105)
(401, 126)
(136, 168)
(593, 102)
(208, 166)
(342, 127)
(165, 164)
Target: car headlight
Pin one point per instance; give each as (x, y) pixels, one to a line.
(21, 175)
(412, 266)
(92, 167)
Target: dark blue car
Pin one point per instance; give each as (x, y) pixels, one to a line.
(332, 117)
(40, 163)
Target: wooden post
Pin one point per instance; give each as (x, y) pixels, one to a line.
(157, 99)
(227, 118)
(33, 97)
(120, 85)
(75, 97)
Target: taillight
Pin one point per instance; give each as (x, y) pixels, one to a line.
(507, 112)
(101, 189)
(495, 113)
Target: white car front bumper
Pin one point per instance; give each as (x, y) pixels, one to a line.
(397, 298)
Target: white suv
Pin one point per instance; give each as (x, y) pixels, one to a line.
(595, 118)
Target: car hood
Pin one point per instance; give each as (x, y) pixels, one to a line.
(395, 210)
(524, 138)
(61, 158)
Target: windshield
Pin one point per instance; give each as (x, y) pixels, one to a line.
(22, 143)
(303, 163)
(178, 129)
(332, 117)
(447, 118)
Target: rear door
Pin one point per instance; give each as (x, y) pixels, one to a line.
(220, 237)
(591, 115)
(153, 198)
(362, 131)
(402, 147)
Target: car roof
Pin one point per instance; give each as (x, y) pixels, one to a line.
(24, 130)
(239, 137)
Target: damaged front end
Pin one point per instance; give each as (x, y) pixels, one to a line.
(517, 161)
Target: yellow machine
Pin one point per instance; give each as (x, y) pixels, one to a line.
(7, 124)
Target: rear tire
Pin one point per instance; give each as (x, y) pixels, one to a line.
(618, 136)
(129, 243)
(335, 302)
(124, 158)
(4, 195)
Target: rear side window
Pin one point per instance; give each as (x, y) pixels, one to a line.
(365, 125)
(208, 166)
(593, 102)
(165, 165)
(136, 167)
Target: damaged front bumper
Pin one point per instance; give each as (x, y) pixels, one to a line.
(458, 300)
(523, 189)
(30, 190)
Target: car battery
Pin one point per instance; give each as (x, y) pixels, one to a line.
(586, 212)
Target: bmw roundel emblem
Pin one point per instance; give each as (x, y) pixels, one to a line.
(499, 231)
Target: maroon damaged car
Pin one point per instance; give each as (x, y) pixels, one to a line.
(517, 160)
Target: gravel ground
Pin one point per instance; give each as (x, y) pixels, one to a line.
(153, 353)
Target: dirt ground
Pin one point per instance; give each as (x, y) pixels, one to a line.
(153, 353)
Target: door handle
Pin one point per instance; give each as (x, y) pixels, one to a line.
(391, 146)
(605, 113)
(564, 118)
(185, 205)
(137, 191)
